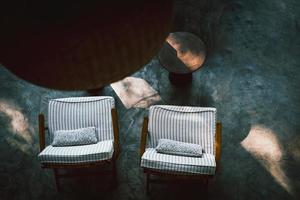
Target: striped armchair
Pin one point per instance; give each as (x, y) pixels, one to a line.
(185, 124)
(74, 113)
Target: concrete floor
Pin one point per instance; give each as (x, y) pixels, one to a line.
(252, 77)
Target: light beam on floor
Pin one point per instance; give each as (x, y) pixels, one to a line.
(135, 92)
(18, 122)
(264, 146)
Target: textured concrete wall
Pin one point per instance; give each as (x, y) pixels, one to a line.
(251, 76)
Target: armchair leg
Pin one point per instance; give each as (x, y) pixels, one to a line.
(56, 176)
(205, 188)
(147, 183)
(114, 171)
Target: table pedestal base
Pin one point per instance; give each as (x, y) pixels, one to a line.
(180, 79)
(95, 92)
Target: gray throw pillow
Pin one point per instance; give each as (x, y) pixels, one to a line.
(82, 136)
(167, 146)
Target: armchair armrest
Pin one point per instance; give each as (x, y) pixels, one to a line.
(116, 131)
(42, 129)
(218, 143)
(144, 136)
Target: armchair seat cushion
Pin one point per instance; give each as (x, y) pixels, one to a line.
(77, 154)
(206, 164)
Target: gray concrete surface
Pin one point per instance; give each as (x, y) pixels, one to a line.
(252, 77)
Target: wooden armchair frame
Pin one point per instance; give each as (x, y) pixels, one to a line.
(205, 178)
(56, 167)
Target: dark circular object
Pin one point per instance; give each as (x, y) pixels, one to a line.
(182, 53)
(80, 45)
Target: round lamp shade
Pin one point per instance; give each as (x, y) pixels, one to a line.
(81, 45)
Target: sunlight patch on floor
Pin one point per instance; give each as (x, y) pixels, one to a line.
(264, 146)
(135, 92)
(18, 122)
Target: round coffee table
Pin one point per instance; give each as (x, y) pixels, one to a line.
(182, 54)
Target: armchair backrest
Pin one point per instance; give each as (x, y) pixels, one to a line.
(79, 112)
(182, 123)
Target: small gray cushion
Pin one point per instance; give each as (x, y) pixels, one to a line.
(82, 136)
(167, 146)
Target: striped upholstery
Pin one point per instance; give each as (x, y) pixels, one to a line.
(182, 123)
(77, 154)
(186, 124)
(178, 164)
(80, 112)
